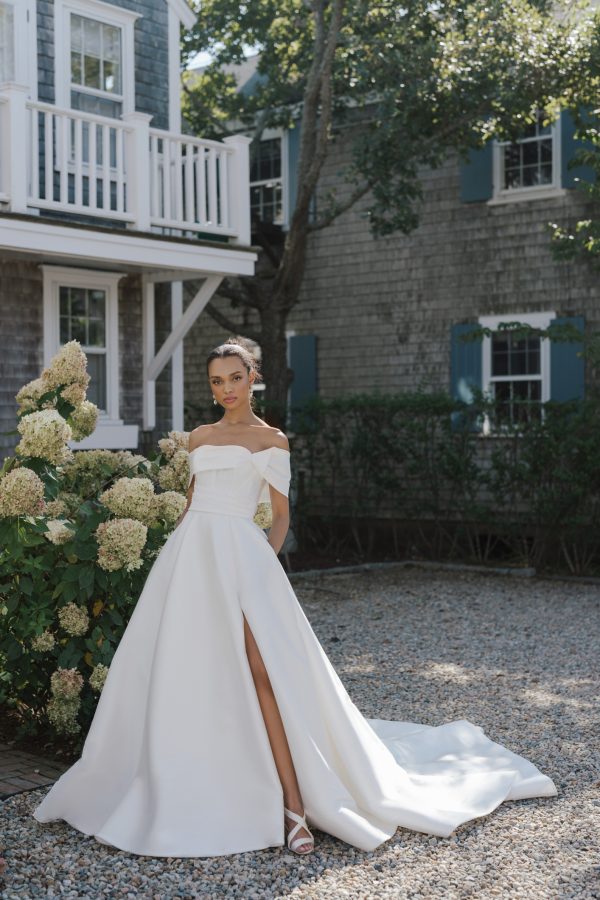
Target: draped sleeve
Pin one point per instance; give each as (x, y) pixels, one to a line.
(274, 466)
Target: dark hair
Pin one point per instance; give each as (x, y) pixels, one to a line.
(236, 346)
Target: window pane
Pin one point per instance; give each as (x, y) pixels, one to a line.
(91, 37)
(111, 49)
(7, 43)
(91, 72)
(97, 303)
(527, 162)
(96, 391)
(65, 329)
(76, 32)
(76, 68)
(96, 336)
(77, 300)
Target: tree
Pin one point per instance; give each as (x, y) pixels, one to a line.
(419, 80)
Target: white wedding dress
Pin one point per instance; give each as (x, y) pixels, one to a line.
(177, 760)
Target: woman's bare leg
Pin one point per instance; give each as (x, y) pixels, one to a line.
(277, 737)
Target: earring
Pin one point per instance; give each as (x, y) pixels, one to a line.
(214, 400)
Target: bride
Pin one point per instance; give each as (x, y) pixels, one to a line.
(222, 726)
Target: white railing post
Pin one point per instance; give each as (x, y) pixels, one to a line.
(238, 192)
(14, 137)
(137, 168)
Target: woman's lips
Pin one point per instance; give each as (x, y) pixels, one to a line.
(229, 399)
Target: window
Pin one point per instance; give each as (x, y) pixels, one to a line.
(266, 181)
(516, 368)
(94, 44)
(83, 305)
(96, 66)
(7, 43)
(529, 166)
(83, 313)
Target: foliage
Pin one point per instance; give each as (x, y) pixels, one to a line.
(529, 493)
(404, 84)
(79, 532)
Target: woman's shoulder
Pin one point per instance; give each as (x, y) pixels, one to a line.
(200, 435)
(277, 438)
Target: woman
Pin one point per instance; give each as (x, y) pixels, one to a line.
(222, 726)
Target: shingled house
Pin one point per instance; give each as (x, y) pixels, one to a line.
(106, 209)
(388, 314)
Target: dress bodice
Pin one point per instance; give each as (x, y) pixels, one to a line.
(233, 480)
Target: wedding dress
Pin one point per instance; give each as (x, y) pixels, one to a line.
(177, 760)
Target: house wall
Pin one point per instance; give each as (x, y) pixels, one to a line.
(21, 332)
(382, 309)
(151, 56)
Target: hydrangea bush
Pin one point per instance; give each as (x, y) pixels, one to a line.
(79, 531)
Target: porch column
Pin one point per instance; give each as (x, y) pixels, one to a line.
(15, 150)
(239, 187)
(137, 172)
(177, 358)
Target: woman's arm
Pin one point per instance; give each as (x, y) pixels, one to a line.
(280, 511)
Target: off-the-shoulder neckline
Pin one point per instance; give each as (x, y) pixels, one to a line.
(251, 452)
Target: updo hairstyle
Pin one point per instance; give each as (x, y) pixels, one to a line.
(237, 346)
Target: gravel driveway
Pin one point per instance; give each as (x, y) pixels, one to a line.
(520, 657)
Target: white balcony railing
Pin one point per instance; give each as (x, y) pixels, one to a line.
(120, 170)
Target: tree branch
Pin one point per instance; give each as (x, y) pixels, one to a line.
(341, 208)
(229, 325)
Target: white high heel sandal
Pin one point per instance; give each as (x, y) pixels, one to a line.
(292, 844)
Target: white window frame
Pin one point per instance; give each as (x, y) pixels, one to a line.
(538, 192)
(108, 15)
(540, 320)
(270, 134)
(25, 35)
(110, 431)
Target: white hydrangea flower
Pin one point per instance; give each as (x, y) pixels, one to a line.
(83, 420)
(58, 531)
(62, 713)
(264, 515)
(43, 642)
(44, 435)
(169, 506)
(66, 684)
(176, 440)
(28, 397)
(132, 498)
(74, 393)
(74, 619)
(120, 544)
(68, 366)
(98, 677)
(175, 475)
(21, 493)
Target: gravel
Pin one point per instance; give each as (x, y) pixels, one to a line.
(519, 658)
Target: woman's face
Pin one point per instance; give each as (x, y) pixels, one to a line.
(230, 381)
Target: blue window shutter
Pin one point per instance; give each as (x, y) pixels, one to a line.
(293, 159)
(465, 367)
(303, 362)
(568, 147)
(476, 177)
(567, 370)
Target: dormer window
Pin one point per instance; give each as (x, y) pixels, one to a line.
(94, 47)
(96, 66)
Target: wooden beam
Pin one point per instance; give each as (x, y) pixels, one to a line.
(177, 361)
(148, 332)
(157, 364)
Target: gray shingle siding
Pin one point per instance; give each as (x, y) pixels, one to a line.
(151, 56)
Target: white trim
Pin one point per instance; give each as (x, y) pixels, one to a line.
(177, 359)
(174, 71)
(102, 12)
(270, 134)
(540, 320)
(540, 192)
(120, 248)
(55, 277)
(183, 12)
(25, 36)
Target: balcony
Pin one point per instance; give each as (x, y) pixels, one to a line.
(120, 173)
